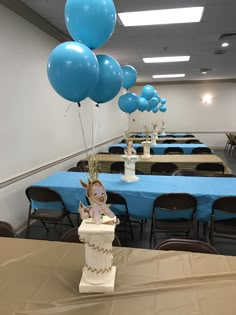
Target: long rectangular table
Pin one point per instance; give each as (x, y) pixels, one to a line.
(42, 278)
(160, 148)
(182, 161)
(160, 140)
(177, 135)
(141, 194)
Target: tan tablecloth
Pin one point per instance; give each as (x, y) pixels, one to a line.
(42, 278)
(182, 161)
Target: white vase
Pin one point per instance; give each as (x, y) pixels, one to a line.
(98, 272)
(130, 161)
(146, 150)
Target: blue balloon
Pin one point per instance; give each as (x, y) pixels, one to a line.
(155, 109)
(155, 94)
(149, 108)
(163, 101)
(109, 80)
(153, 102)
(163, 108)
(91, 22)
(128, 102)
(72, 70)
(142, 104)
(130, 76)
(147, 91)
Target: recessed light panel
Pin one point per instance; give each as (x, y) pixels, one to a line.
(166, 59)
(165, 76)
(158, 17)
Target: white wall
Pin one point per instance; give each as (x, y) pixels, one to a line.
(186, 111)
(33, 128)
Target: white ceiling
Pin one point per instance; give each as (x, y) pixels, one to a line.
(128, 45)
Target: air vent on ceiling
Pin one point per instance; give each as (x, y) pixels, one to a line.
(228, 36)
(220, 52)
(205, 69)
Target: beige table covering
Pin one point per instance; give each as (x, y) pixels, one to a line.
(182, 161)
(42, 278)
(161, 140)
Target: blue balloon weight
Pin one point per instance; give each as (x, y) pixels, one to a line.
(153, 102)
(91, 22)
(163, 101)
(109, 80)
(155, 109)
(72, 70)
(163, 108)
(147, 91)
(130, 76)
(142, 104)
(128, 102)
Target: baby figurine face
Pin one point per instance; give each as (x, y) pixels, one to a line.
(97, 194)
(130, 143)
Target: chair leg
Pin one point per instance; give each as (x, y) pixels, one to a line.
(28, 226)
(141, 229)
(69, 219)
(43, 223)
(150, 239)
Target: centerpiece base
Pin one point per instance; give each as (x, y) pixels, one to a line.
(130, 179)
(108, 287)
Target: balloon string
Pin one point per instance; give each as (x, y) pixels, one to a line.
(82, 128)
(92, 130)
(68, 108)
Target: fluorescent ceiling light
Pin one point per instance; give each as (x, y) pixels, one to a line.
(164, 76)
(157, 17)
(166, 59)
(224, 44)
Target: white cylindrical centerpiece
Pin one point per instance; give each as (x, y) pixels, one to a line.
(130, 161)
(153, 138)
(146, 150)
(98, 273)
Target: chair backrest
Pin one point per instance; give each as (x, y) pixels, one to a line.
(186, 172)
(175, 201)
(169, 141)
(123, 141)
(83, 166)
(74, 169)
(72, 236)
(188, 136)
(138, 172)
(6, 230)
(214, 167)
(43, 194)
(139, 150)
(163, 168)
(187, 245)
(223, 175)
(117, 168)
(174, 149)
(201, 150)
(193, 141)
(226, 204)
(171, 136)
(114, 198)
(116, 150)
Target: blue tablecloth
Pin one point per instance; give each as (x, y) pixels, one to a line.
(140, 195)
(160, 147)
(177, 135)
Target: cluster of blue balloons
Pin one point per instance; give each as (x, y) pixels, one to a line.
(148, 100)
(74, 71)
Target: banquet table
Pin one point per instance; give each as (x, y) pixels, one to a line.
(182, 161)
(177, 135)
(42, 278)
(141, 194)
(160, 140)
(160, 147)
